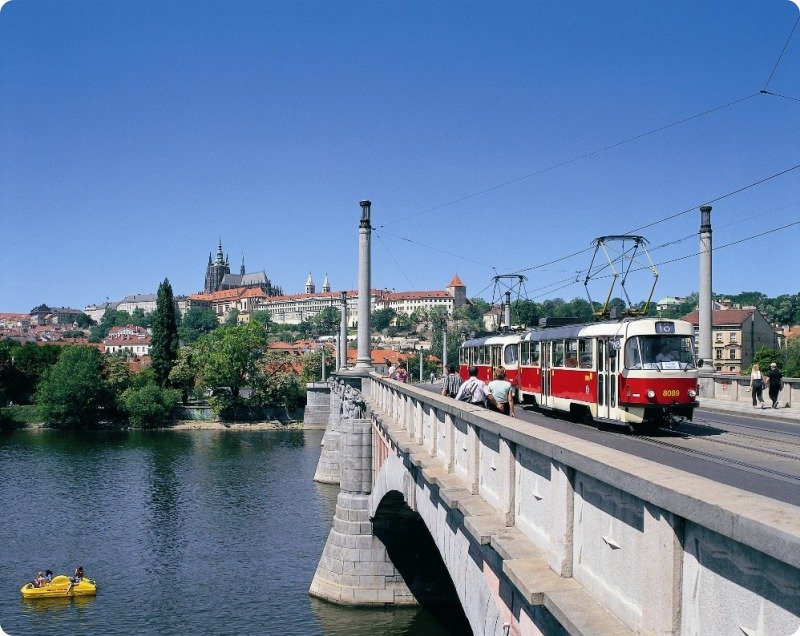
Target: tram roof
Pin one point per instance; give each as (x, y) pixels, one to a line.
(629, 326)
(492, 340)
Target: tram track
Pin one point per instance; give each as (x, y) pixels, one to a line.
(754, 443)
(720, 459)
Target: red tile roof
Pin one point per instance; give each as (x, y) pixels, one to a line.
(721, 317)
(456, 282)
(237, 293)
(415, 295)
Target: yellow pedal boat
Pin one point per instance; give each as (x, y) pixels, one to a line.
(60, 587)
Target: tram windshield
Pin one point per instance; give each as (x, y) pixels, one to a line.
(659, 352)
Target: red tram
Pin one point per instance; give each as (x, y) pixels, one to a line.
(632, 372)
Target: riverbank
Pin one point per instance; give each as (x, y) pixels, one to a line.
(186, 425)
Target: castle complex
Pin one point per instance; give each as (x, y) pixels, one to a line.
(219, 277)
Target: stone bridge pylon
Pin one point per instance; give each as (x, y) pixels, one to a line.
(354, 568)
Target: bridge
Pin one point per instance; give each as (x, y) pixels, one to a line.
(532, 531)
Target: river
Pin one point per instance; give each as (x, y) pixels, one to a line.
(213, 532)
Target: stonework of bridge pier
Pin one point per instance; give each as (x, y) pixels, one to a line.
(543, 533)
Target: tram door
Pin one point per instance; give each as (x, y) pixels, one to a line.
(544, 361)
(607, 360)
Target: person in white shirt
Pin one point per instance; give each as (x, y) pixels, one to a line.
(473, 390)
(664, 355)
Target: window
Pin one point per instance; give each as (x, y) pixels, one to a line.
(585, 358)
(733, 354)
(558, 353)
(571, 361)
(718, 337)
(510, 355)
(719, 355)
(535, 349)
(733, 336)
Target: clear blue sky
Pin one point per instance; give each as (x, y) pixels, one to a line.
(134, 135)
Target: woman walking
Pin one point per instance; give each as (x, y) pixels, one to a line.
(757, 386)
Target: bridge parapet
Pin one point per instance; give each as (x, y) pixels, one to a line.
(592, 538)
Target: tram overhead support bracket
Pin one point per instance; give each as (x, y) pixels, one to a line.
(623, 254)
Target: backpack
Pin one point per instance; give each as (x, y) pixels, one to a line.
(466, 396)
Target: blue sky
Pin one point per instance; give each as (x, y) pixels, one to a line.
(134, 135)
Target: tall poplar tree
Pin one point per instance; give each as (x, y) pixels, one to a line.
(164, 349)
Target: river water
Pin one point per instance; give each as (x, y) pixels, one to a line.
(213, 532)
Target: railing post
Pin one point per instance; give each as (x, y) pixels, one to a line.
(508, 464)
(473, 459)
(419, 416)
(449, 442)
(562, 506)
(663, 549)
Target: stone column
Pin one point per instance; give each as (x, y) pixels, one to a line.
(705, 317)
(342, 362)
(354, 568)
(318, 403)
(328, 466)
(364, 356)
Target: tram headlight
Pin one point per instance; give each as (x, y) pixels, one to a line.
(692, 393)
(651, 394)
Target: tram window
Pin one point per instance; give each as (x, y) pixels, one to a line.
(571, 354)
(558, 353)
(633, 356)
(510, 355)
(585, 354)
(535, 349)
(525, 353)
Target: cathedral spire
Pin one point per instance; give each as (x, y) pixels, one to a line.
(241, 270)
(310, 284)
(326, 286)
(220, 258)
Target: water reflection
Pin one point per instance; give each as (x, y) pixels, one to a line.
(184, 531)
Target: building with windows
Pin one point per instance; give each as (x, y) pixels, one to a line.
(128, 339)
(736, 337)
(295, 308)
(244, 300)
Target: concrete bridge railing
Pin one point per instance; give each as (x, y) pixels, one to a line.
(542, 532)
(736, 388)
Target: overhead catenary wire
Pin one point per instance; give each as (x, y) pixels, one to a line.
(780, 57)
(574, 159)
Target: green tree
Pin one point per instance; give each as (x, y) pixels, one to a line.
(233, 317)
(227, 357)
(117, 373)
(150, 405)
(31, 361)
(275, 382)
(183, 374)
(164, 349)
(111, 318)
(263, 318)
(326, 322)
(140, 318)
(382, 318)
(73, 393)
(83, 321)
(197, 322)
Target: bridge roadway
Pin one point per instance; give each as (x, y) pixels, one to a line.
(544, 531)
(755, 450)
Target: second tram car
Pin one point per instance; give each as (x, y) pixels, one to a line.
(633, 372)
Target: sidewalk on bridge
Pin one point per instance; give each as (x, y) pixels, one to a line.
(783, 413)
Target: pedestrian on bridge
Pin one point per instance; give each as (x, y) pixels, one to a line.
(757, 385)
(451, 382)
(775, 383)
